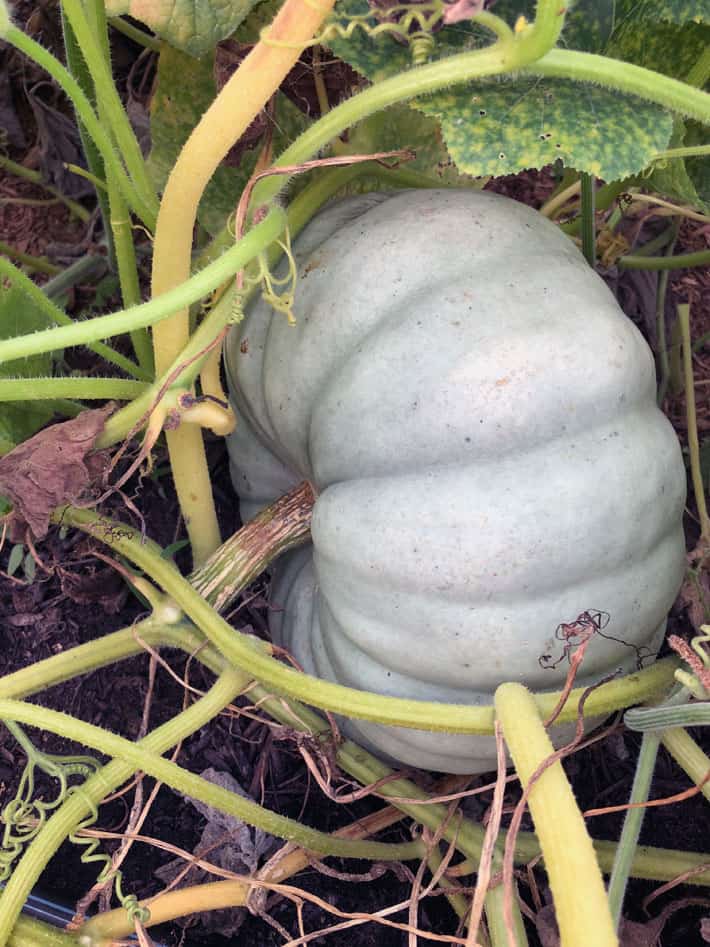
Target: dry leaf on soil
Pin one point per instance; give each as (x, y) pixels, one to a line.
(54, 467)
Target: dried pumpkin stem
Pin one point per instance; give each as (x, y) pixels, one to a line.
(238, 561)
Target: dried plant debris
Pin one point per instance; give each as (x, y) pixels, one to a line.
(56, 466)
(227, 843)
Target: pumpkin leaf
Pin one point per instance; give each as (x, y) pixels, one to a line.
(662, 36)
(507, 127)
(184, 91)
(261, 15)
(19, 316)
(663, 47)
(672, 11)
(501, 127)
(193, 26)
(496, 128)
(403, 127)
(588, 23)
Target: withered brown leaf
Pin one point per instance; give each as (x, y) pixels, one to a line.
(54, 467)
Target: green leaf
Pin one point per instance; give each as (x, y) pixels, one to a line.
(193, 26)
(20, 316)
(402, 127)
(501, 127)
(506, 127)
(29, 568)
(185, 90)
(17, 554)
(672, 11)
(664, 47)
(588, 23)
(261, 16)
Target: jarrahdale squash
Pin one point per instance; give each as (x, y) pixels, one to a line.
(477, 417)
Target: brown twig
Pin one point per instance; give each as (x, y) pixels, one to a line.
(489, 841)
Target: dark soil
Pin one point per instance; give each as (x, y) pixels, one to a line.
(76, 597)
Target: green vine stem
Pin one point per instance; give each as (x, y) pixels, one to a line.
(34, 177)
(119, 216)
(649, 719)
(79, 804)
(250, 653)
(661, 293)
(141, 757)
(38, 264)
(631, 831)
(83, 389)
(688, 755)
(693, 440)
(681, 262)
(29, 932)
(94, 48)
(88, 267)
(41, 299)
(692, 151)
(575, 878)
(96, 168)
(622, 76)
(146, 40)
(199, 285)
(633, 820)
(588, 218)
(15, 37)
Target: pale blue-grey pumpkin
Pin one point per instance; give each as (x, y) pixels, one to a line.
(478, 419)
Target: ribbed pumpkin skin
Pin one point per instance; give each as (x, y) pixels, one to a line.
(478, 418)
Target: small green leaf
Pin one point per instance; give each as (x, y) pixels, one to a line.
(17, 554)
(193, 26)
(185, 89)
(20, 316)
(169, 551)
(29, 568)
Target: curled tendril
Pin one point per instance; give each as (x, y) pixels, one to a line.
(92, 854)
(277, 291)
(412, 24)
(24, 816)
